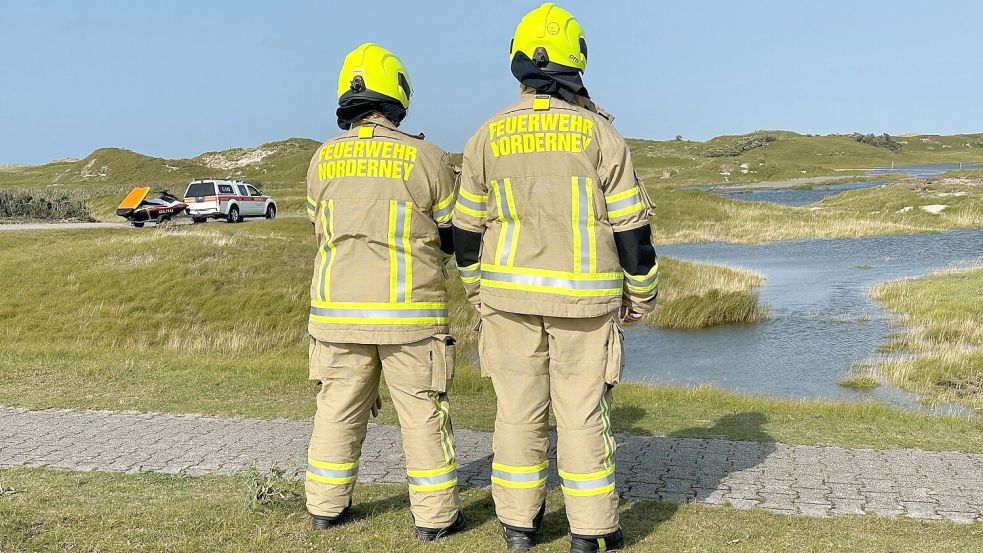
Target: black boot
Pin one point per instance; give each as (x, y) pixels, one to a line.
(431, 534)
(614, 541)
(521, 540)
(321, 522)
(518, 541)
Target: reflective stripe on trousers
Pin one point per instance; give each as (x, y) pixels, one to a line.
(507, 240)
(595, 483)
(519, 477)
(327, 250)
(584, 245)
(432, 480)
(378, 313)
(332, 473)
(400, 258)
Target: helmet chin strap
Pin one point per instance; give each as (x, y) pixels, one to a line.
(566, 85)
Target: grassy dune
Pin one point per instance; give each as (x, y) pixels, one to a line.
(790, 155)
(58, 510)
(696, 216)
(697, 295)
(212, 320)
(943, 313)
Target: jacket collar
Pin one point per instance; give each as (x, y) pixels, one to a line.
(585, 103)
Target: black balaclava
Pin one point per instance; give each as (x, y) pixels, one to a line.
(566, 85)
(352, 109)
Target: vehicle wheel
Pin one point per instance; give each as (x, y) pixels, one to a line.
(138, 225)
(234, 216)
(197, 220)
(271, 212)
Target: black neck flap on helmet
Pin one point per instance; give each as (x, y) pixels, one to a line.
(565, 84)
(354, 106)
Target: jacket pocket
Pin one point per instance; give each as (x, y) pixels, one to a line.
(442, 356)
(616, 358)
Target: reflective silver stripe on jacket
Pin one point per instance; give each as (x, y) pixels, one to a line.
(471, 204)
(585, 216)
(443, 213)
(401, 252)
(552, 282)
(508, 218)
(326, 250)
(643, 282)
(362, 313)
(625, 202)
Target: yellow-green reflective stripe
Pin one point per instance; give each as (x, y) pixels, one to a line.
(626, 211)
(311, 206)
(446, 440)
(333, 473)
(380, 313)
(400, 260)
(609, 444)
(618, 203)
(552, 282)
(471, 273)
(472, 204)
(519, 477)
(602, 545)
(588, 484)
(443, 210)
(505, 254)
(327, 249)
(644, 281)
(582, 204)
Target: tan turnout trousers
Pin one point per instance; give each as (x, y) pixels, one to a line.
(417, 376)
(571, 364)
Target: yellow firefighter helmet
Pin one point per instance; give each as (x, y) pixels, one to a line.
(552, 38)
(371, 70)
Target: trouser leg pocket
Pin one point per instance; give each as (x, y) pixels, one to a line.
(615, 359)
(442, 357)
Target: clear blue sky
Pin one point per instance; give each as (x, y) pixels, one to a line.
(176, 78)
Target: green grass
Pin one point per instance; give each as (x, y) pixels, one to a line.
(181, 321)
(944, 316)
(790, 156)
(59, 510)
(859, 383)
(697, 216)
(699, 295)
(18, 206)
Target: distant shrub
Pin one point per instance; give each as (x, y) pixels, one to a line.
(21, 205)
(740, 146)
(679, 138)
(880, 141)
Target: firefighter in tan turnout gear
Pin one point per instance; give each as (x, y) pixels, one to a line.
(552, 239)
(381, 201)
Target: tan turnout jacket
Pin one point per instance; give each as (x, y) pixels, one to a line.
(376, 196)
(548, 183)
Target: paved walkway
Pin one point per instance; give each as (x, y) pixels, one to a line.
(817, 481)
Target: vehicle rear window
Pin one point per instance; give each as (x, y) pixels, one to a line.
(225, 189)
(201, 189)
